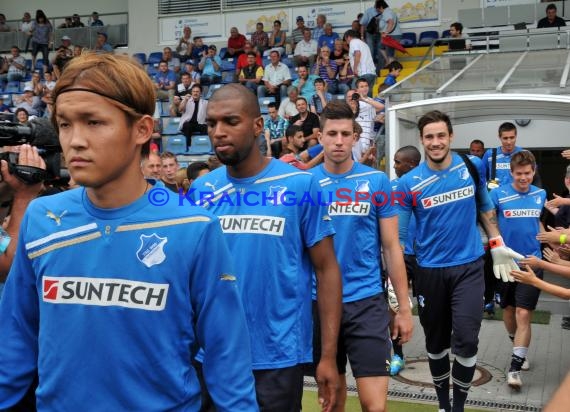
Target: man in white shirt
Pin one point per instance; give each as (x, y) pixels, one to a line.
(360, 59)
(306, 50)
(276, 78)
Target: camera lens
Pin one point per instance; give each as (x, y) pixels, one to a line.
(355, 96)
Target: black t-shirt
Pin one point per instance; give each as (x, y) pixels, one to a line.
(310, 123)
(544, 22)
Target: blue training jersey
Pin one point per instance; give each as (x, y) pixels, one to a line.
(503, 168)
(409, 247)
(356, 222)
(445, 207)
(270, 220)
(519, 217)
(107, 306)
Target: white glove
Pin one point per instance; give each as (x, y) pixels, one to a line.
(503, 261)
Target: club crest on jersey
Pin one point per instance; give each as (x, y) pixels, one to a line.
(362, 186)
(538, 200)
(276, 194)
(421, 301)
(151, 250)
(463, 173)
(56, 218)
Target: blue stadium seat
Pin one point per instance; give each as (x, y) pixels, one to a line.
(409, 39)
(28, 65)
(200, 145)
(229, 65)
(287, 61)
(445, 34)
(211, 90)
(222, 52)
(141, 57)
(228, 77)
(164, 108)
(426, 37)
(12, 87)
(170, 125)
(175, 144)
(264, 103)
(293, 72)
(154, 58)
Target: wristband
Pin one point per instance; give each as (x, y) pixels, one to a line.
(563, 239)
(496, 242)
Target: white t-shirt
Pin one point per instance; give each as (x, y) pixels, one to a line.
(366, 64)
(305, 48)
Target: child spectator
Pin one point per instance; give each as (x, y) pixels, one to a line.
(394, 69)
(321, 97)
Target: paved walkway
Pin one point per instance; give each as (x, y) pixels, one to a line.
(549, 357)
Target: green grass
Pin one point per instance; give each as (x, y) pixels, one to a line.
(539, 317)
(310, 404)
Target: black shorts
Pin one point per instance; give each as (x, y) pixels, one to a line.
(411, 268)
(364, 337)
(520, 295)
(279, 390)
(450, 305)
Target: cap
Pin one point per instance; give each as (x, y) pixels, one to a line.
(102, 33)
(300, 18)
(66, 38)
(28, 89)
(190, 61)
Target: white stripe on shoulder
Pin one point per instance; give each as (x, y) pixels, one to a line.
(428, 181)
(509, 198)
(372, 172)
(59, 235)
(222, 189)
(324, 180)
(272, 178)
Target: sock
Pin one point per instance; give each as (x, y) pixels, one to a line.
(398, 349)
(461, 376)
(440, 369)
(517, 358)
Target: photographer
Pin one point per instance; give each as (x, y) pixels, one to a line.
(21, 194)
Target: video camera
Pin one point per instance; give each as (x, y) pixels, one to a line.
(39, 133)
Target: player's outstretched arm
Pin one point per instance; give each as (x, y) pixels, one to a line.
(329, 300)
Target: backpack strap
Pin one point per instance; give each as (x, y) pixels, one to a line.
(472, 171)
(494, 163)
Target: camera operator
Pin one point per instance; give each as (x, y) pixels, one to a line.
(20, 194)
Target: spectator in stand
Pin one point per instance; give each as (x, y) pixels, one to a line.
(319, 30)
(16, 66)
(76, 21)
(3, 26)
(328, 38)
(190, 68)
(182, 89)
(95, 21)
(308, 121)
(185, 45)
(274, 130)
(288, 108)
(305, 83)
(236, 44)
(306, 50)
(327, 69)
(199, 50)
(252, 74)
(26, 27)
(35, 83)
(276, 78)
(102, 46)
(63, 55)
(345, 76)
(42, 36)
(461, 41)
(360, 58)
(22, 116)
(4, 108)
(356, 25)
(195, 170)
(277, 39)
(77, 50)
(164, 82)
(297, 33)
(321, 97)
(242, 60)
(338, 52)
(389, 25)
(173, 62)
(211, 66)
(193, 120)
(151, 166)
(67, 24)
(394, 69)
(372, 39)
(259, 39)
(29, 101)
(169, 167)
(551, 19)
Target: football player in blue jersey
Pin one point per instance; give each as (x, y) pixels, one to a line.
(277, 239)
(519, 207)
(364, 225)
(449, 282)
(103, 302)
(497, 161)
